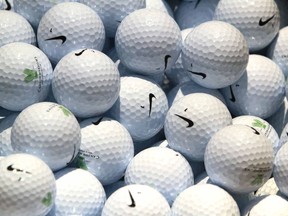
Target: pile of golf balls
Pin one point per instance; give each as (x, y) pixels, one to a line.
(143, 108)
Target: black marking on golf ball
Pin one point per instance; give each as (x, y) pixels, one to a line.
(151, 96)
(166, 58)
(185, 109)
(98, 121)
(203, 75)
(133, 204)
(189, 121)
(80, 53)
(197, 3)
(255, 131)
(62, 38)
(233, 99)
(263, 23)
(11, 168)
(8, 5)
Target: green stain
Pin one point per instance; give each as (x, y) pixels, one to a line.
(258, 180)
(259, 124)
(47, 200)
(81, 163)
(65, 110)
(30, 75)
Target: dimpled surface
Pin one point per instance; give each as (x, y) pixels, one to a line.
(261, 126)
(247, 17)
(216, 50)
(239, 159)
(267, 206)
(5, 134)
(106, 148)
(269, 188)
(141, 107)
(191, 14)
(78, 193)
(134, 200)
(25, 76)
(161, 168)
(190, 87)
(280, 171)
(49, 131)
(14, 28)
(284, 136)
(148, 41)
(27, 186)
(112, 12)
(77, 25)
(33, 10)
(278, 50)
(204, 200)
(259, 92)
(192, 121)
(87, 82)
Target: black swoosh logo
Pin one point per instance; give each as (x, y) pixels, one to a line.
(203, 75)
(255, 131)
(151, 96)
(97, 122)
(80, 53)
(262, 23)
(133, 204)
(11, 168)
(166, 61)
(190, 122)
(233, 99)
(197, 3)
(62, 38)
(8, 5)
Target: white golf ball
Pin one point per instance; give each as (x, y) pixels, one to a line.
(215, 54)
(106, 149)
(25, 76)
(258, 20)
(161, 168)
(161, 5)
(27, 186)
(269, 188)
(191, 122)
(239, 158)
(69, 26)
(78, 193)
(15, 28)
(148, 41)
(205, 200)
(259, 92)
(49, 131)
(87, 82)
(141, 107)
(135, 200)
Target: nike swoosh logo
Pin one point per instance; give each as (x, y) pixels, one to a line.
(8, 5)
(62, 38)
(97, 122)
(255, 131)
(151, 96)
(133, 204)
(262, 23)
(11, 168)
(203, 75)
(190, 122)
(166, 61)
(233, 99)
(80, 53)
